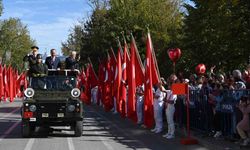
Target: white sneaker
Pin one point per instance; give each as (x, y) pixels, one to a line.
(158, 131)
(165, 135)
(217, 134)
(153, 130)
(170, 137)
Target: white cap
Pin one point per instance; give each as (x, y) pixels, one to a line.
(186, 80)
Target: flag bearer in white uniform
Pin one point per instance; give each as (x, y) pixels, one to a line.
(158, 108)
(94, 92)
(139, 103)
(169, 110)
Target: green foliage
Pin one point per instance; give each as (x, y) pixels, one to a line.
(1, 7)
(110, 19)
(217, 33)
(211, 32)
(74, 40)
(14, 40)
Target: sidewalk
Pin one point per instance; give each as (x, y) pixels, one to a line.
(204, 141)
(212, 143)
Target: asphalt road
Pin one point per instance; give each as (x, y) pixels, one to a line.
(101, 131)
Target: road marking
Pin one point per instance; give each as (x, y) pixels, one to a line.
(91, 127)
(10, 113)
(10, 119)
(109, 146)
(29, 144)
(70, 143)
(69, 139)
(118, 128)
(6, 133)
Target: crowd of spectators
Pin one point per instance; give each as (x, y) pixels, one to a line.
(213, 85)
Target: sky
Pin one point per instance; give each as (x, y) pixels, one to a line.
(48, 21)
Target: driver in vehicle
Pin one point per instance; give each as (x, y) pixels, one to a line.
(67, 84)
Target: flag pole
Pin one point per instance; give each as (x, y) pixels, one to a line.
(119, 45)
(125, 43)
(137, 54)
(92, 67)
(154, 56)
(112, 51)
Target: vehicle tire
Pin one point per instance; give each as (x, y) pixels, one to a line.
(78, 128)
(26, 130)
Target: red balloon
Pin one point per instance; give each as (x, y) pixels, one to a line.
(200, 69)
(174, 54)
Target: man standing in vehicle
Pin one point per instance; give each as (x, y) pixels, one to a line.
(53, 62)
(31, 58)
(72, 61)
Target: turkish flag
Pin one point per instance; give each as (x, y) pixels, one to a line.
(87, 86)
(101, 76)
(139, 68)
(11, 84)
(15, 72)
(112, 72)
(123, 87)
(132, 85)
(6, 85)
(1, 83)
(113, 63)
(108, 85)
(117, 80)
(83, 77)
(84, 97)
(151, 77)
(92, 76)
(155, 70)
(26, 82)
(20, 82)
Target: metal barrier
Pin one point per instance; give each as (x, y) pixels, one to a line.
(202, 111)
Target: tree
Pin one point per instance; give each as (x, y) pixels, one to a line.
(1, 7)
(217, 33)
(110, 18)
(14, 40)
(74, 40)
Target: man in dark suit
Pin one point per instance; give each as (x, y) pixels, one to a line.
(72, 61)
(52, 61)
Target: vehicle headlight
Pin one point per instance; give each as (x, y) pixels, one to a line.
(32, 108)
(75, 92)
(71, 108)
(29, 92)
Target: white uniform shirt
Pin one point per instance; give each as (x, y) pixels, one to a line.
(171, 96)
(141, 90)
(160, 95)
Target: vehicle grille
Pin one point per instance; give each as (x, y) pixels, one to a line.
(51, 108)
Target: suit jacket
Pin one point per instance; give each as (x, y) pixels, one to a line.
(71, 63)
(53, 64)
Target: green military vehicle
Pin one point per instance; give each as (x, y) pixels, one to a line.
(52, 100)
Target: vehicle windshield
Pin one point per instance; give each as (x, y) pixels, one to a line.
(53, 83)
